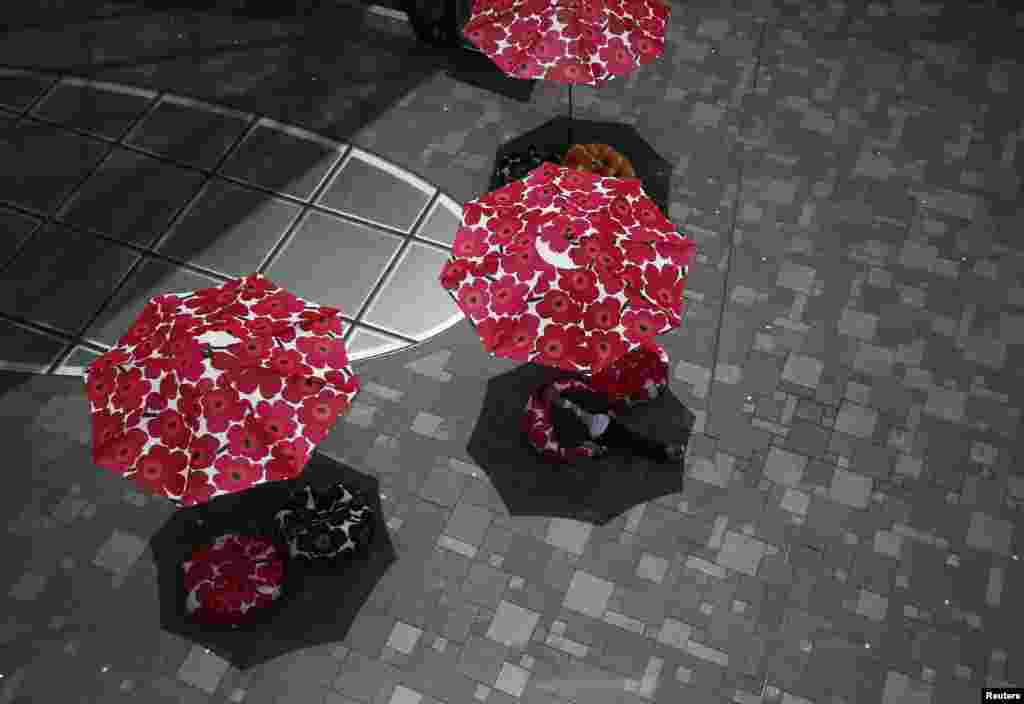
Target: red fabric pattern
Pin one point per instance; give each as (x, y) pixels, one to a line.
(189, 420)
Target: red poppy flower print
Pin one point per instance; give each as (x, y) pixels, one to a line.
(221, 407)
(121, 452)
(281, 304)
(617, 57)
(645, 47)
(664, 287)
(553, 233)
(161, 471)
(261, 326)
(473, 299)
(492, 331)
(470, 243)
(642, 326)
(198, 489)
(146, 348)
(202, 451)
(252, 349)
(249, 379)
(604, 348)
(255, 287)
(99, 386)
(680, 250)
(503, 229)
(638, 252)
(143, 326)
(488, 266)
(623, 187)
(105, 427)
(622, 211)
(473, 211)
(519, 341)
(319, 414)
(170, 427)
(289, 457)
(571, 71)
(130, 390)
(210, 300)
(524, 26)
(604, 315)
(235, 474)
(508, 297)
(453, 273)
(326, 321)
(286, 362)
(323, 352)
(248, 439)
(277, 419)
(541, 196)
(188, 399)
(633, 278)
(343, 382)
(297, 388)
(580, 284)
(559, 307)
(560, 346)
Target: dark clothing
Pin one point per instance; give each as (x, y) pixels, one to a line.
(618, 436)
(571, 432)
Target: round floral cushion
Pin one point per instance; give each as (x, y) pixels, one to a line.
(539, 427)
(228, 582)
(641, 375)
(598, 159)
(325, 524)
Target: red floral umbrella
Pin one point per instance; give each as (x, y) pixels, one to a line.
(568, 269)
(568, 41)
(212, 392)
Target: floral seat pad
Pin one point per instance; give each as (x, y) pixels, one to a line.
(230, 580)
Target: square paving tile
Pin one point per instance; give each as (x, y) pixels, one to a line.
(152, 278)
(25, 350)
(282, 159)
(120, 552)
(367, 343)
(189, 134)
(588, 594)
(62, 278)
(43, 164)
(411, 302)
(374, 190)
(105, 110)
(101, 203)
(18, 89)
(333, 262)
(442, 223)
(988, 533)
(229, 228)
(203, 670)
(512, 625)
(15, 228)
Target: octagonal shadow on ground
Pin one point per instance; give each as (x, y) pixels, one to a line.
(318, 604)
(592, 491)
(653, 170)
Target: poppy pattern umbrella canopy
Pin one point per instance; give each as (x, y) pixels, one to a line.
(568, 41)
(215, 391)
(568, 269)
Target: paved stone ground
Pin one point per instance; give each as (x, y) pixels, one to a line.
(850, 526)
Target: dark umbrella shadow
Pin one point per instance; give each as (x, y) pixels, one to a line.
(593, 491)
(318, 604)
(653, 170)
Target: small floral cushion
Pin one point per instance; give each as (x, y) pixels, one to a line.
(325, 524)
(539, 427)
(641, 375)
(230, 580)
